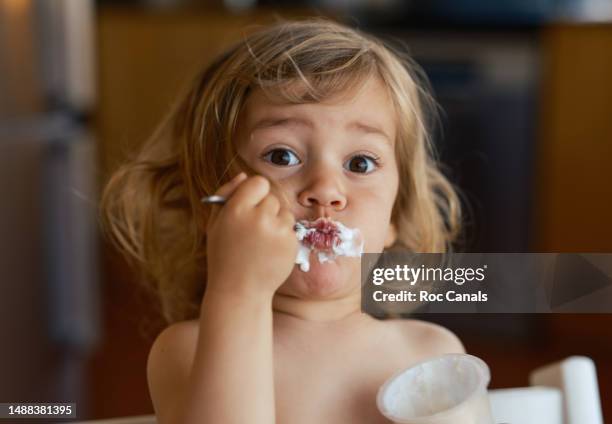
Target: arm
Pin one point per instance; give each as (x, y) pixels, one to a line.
(233, 365)
(228, 375)
(230, 365)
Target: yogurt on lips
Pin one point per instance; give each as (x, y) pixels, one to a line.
(328, 238)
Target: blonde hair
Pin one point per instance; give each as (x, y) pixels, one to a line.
(151, 207)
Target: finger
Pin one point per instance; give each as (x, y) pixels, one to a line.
(229, 187)
(250, 192)
(226, 190)
(269, 205)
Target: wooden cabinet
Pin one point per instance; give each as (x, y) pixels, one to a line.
(574, 172)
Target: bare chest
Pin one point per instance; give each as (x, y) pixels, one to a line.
(333, 383)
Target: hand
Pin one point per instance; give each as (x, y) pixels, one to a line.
(251, 244)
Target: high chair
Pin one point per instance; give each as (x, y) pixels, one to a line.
(565, 392)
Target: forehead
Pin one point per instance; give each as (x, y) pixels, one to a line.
(369, 104)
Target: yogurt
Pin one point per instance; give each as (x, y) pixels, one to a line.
(328, 238)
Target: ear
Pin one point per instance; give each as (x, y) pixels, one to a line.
(391, 235)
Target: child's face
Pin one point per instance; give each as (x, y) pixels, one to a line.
(333, 159)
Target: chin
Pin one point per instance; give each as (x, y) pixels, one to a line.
(327, 280)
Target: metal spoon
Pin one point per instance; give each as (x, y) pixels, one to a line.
(214, 199)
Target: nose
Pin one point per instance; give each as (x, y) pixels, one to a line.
(323, 192)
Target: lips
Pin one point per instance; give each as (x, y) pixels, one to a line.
(321, 234)
(328, 238)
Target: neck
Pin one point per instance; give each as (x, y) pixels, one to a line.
(343, 309)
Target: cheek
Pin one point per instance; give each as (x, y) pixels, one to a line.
(375, 233)
(374, 210)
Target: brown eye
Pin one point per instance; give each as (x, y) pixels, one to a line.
(361, 164)
(281, 157)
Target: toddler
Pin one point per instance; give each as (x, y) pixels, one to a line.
(301, 122)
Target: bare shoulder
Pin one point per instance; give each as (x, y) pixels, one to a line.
(433, 338)
(169, 365)
(175, 342)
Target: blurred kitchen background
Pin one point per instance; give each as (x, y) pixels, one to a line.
(526, 133)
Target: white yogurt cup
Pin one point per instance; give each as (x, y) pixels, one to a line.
(448, 389)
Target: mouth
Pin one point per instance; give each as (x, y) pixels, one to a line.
(321, 234)
(328, 238)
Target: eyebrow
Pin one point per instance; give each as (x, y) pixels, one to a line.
(369, 129)
(280, 122)
(283, 122)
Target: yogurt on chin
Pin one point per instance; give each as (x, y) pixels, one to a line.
(328, 238)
